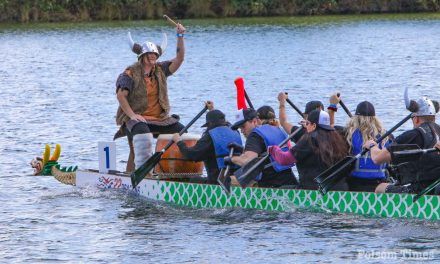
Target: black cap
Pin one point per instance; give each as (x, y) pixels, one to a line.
(320, 118)
(214, 117)
(242, 116)
(365, 108)
(266, 112)
(313, 105)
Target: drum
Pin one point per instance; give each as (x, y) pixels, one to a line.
(172, 161)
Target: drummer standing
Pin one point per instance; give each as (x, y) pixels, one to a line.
(212, 147)
(142, 93)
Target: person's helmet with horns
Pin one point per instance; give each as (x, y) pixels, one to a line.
(147, 47)
(424, 105)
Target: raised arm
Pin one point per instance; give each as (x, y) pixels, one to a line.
(282, 113)
(180, 50)
(334, 101)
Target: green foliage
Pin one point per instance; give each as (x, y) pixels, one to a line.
(80, 10)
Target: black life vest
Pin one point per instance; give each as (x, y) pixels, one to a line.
(427, 168)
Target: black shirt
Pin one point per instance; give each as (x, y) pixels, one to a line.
(300, 133)
(204, 151)
(270, 177)
(310, 165)
(412, 136)
(403, 142)
(422, 171)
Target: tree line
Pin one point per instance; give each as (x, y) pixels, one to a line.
(93, 10)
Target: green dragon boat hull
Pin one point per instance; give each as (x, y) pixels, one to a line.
(212, 196)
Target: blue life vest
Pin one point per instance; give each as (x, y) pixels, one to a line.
(365, 167)
(221, 136)
(273, 136)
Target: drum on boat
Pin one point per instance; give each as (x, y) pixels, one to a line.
(172, 161)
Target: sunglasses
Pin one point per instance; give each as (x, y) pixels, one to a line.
(305, 123)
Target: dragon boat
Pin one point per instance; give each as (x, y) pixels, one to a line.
(193, 192)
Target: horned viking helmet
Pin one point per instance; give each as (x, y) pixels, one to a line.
(424, 105)
(147, 46)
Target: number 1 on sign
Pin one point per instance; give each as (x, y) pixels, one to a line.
(107, 156)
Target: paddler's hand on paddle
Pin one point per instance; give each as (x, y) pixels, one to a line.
(180, 29)
(228, 161)
(282, 96)
(437, 146)
(303, 123)
(137, 117)
(370, 144)
(176, 137)
(210, 105)
(334, 99)
(237, 147)
(333, 107)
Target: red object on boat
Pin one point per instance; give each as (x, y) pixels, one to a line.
(241, 100)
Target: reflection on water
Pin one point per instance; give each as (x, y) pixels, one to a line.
(58, 87)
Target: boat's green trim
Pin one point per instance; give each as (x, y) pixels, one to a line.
(369, 204)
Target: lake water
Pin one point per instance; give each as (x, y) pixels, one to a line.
(58, 84)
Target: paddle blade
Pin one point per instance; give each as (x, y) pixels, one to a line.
(224, 181)
(250, 171)
(410, 155)
(324, 175)
(407, 155)
(139, 174)
(334, 174)
(427, 190)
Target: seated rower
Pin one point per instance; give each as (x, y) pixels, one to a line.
(416, 175)
(212, 147)
(316, 151)
(363, 126)
(262, 130)
(288, 127)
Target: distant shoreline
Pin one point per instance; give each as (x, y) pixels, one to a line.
(28, 11)
(285, 21)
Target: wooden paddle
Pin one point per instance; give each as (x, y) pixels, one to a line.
(172, 22)
(330, 177)
(223, 178)
(139, 174)
(248, 174)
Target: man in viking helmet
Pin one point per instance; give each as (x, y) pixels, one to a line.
(142, 93)
(413, 175)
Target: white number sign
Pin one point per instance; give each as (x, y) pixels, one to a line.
(107, 156)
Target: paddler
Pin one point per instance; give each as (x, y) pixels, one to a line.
(288, 127)
(415, 175)
(261, 129)
(317, 150)
(142, 93)
(364, 126)
(212, 147)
